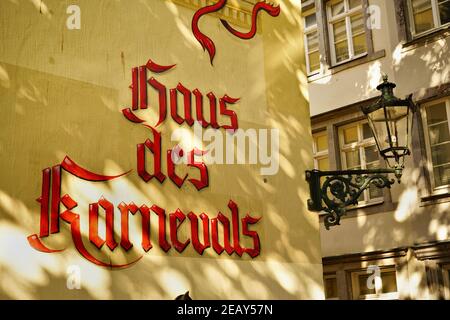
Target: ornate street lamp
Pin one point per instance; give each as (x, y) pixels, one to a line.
(390, 120)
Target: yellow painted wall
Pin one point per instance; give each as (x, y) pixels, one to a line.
(61, 92)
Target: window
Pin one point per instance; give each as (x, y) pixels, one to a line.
(427, 15)
(347, 30)
(359, 151)
(446, 277)
(437, 127)
(320, 151)
(311, 42)
(375, 285)
(331, 288)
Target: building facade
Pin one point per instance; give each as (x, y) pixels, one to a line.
(92, 93)
(395, 244)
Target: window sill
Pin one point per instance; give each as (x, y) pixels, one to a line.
(428, 38)
(349, 64)
(442, 196)
(358, 61)
(364, 207)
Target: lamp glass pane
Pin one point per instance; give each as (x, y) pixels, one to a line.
(398, 123)
(377, 122)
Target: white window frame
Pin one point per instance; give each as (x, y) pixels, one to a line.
(436, 19)
(307, 31)
(378, 295)
(360, 145)
(435, 189)
(346, 15)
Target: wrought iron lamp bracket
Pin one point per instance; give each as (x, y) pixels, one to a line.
(341, 189)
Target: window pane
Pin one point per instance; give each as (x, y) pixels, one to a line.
(444, 11)
(321, 142)
(331, 288)
(354, 3)
(389, 282)
(423, 15)
(340, 41)
(337, 8)
(436, 113)
(367, 132)
(374, 192)
(439, 133)
(314, 61)
(323, 164)
(339, 31)
(440, 154)
(352, 159)
(363, 287)
(313, 41)
(341, 49)
(371, 154)
(359, 44)
(442, 176)
(350, 134)
(310, 20)
(359, 36)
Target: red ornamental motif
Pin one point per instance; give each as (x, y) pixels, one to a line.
(51, 199)
(206, 42)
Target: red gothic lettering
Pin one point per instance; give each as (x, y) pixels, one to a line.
(199, 108)
(44, 201)
(230, 113)
(109, 213)
(158, 86)
(174, 107)
(204, 178)
(161, 213)
(74, 221)
(145, 213)
(213, 110)
(174, 217)
(235, 222)
(194, 232)
(157, 68)
(134, 88)
(93, 226)
(143, 87)
(155, 149)
(187, 104)
(252, 252)
(171, 169)
(51, 199)
(226, 234)
(124, 215)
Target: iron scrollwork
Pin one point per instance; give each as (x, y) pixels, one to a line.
(341, 189)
